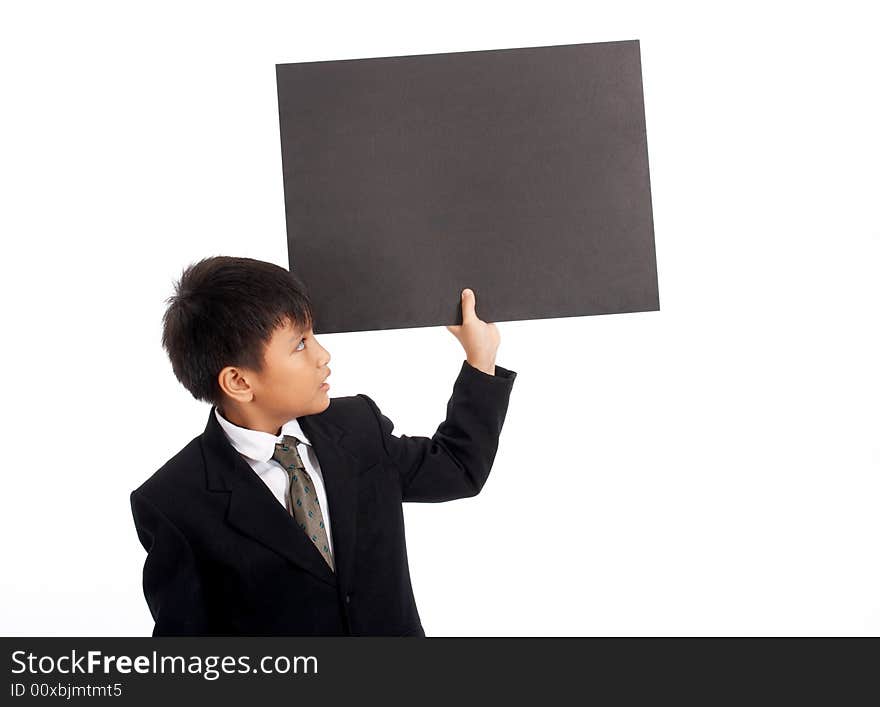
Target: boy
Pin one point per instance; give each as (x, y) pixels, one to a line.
(284, 516)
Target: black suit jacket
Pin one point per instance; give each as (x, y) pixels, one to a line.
(225, 558)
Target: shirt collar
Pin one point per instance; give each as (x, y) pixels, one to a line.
(257, 445)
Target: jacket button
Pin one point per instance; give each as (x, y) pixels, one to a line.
(348, 598)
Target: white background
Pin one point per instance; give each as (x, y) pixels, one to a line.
(709, 469)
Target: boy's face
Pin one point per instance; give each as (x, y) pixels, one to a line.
(290, 384)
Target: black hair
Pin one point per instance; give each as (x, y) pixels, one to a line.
(223, 313)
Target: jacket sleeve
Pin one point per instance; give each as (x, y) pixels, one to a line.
(456, 461)
(171, 582)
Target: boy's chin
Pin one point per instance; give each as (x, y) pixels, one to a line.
(317, 407)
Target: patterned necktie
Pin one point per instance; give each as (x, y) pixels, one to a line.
(302, 501)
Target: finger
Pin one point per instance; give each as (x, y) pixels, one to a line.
(468, 305)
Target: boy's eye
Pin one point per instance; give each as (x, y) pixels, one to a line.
(300, 341)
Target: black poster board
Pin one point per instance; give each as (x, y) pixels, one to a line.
(520, 173)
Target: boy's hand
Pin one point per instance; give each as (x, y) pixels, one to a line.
(479, 339)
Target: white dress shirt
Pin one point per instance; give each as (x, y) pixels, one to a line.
(257, 449)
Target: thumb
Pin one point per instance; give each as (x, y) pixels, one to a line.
(468, 304)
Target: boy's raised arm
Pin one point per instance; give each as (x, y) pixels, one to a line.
(456, 461)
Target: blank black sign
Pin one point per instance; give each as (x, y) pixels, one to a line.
(520, 173)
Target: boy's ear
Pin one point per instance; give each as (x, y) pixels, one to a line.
(234, 384)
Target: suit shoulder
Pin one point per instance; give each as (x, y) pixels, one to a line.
(346, 409)
(355, 414)
(181, 471)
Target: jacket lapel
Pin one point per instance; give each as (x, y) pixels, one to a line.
(255, 511)
(340, 469)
